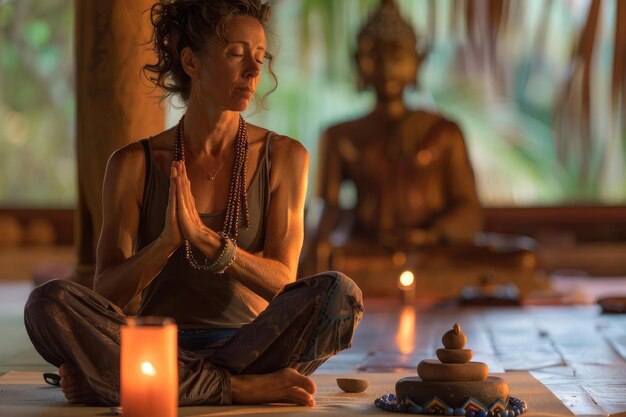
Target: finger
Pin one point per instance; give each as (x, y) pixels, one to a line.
(185, 197)
(181, 199)
(172, 191)
(186, 180)
(183, 170)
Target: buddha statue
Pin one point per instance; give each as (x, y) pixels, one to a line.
(410, 168)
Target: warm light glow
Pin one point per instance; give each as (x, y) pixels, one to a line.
(148, 369)
(407, 279)
(399, 258)
(405, 337)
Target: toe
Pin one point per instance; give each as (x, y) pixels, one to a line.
(300, 396)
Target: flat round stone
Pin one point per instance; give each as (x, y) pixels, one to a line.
(454, 394)
(455, 355)
(433, 370)
(352, 384)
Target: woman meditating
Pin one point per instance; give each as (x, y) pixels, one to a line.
(204, 223)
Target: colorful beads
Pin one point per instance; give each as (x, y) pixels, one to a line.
(389, 402)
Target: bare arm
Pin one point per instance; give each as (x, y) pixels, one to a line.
(284, 233)
(120, 274)
(268, 273)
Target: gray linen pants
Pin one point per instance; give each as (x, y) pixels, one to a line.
(306, 323)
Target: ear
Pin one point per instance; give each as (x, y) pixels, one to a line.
(190, 63)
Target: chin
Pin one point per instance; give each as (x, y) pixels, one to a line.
(240, 105)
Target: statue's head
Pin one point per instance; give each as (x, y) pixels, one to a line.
(386, 56)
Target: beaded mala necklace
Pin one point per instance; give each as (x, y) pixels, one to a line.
(237, 200)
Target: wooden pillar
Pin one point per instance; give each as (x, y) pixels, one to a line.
(115, 105)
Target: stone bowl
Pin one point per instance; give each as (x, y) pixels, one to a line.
(352, 385)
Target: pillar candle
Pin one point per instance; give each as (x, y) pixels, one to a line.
(149, 367)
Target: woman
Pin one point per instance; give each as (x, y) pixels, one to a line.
(210, 246)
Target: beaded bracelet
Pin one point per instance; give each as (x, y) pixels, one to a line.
(227, 256)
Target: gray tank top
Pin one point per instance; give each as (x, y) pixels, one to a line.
(200, 299)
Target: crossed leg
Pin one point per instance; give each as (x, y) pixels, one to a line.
(78, 330)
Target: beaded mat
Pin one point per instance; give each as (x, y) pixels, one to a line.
(24, 394)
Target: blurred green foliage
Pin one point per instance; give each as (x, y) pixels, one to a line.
(507, 119)
(506, 111)
(37, 105)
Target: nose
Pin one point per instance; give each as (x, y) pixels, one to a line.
(253, 68)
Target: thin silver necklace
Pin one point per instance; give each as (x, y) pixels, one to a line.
(211, 177)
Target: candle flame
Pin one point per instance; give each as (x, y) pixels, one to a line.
(407, 279)
(148, 369)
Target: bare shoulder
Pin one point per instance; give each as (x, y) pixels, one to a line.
(127, 157)
(289, 150)
(290, 162)
(125, 172)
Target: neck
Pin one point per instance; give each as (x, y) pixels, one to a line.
(208, 131)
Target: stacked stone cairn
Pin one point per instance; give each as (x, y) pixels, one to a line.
(453, 385)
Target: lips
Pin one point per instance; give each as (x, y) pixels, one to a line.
(246, 90)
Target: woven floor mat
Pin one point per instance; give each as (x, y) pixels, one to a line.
(24, 394)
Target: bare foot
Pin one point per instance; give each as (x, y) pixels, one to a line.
(286, 385)
(74, 386)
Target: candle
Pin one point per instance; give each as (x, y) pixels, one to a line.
(149, 367)
(406, 283)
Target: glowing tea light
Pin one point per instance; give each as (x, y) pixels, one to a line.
(407, 279)
(406, 283)
(149, 368)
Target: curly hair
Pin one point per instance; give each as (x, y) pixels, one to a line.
(191, 23)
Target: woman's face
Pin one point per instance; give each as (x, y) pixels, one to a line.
(231, 67)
